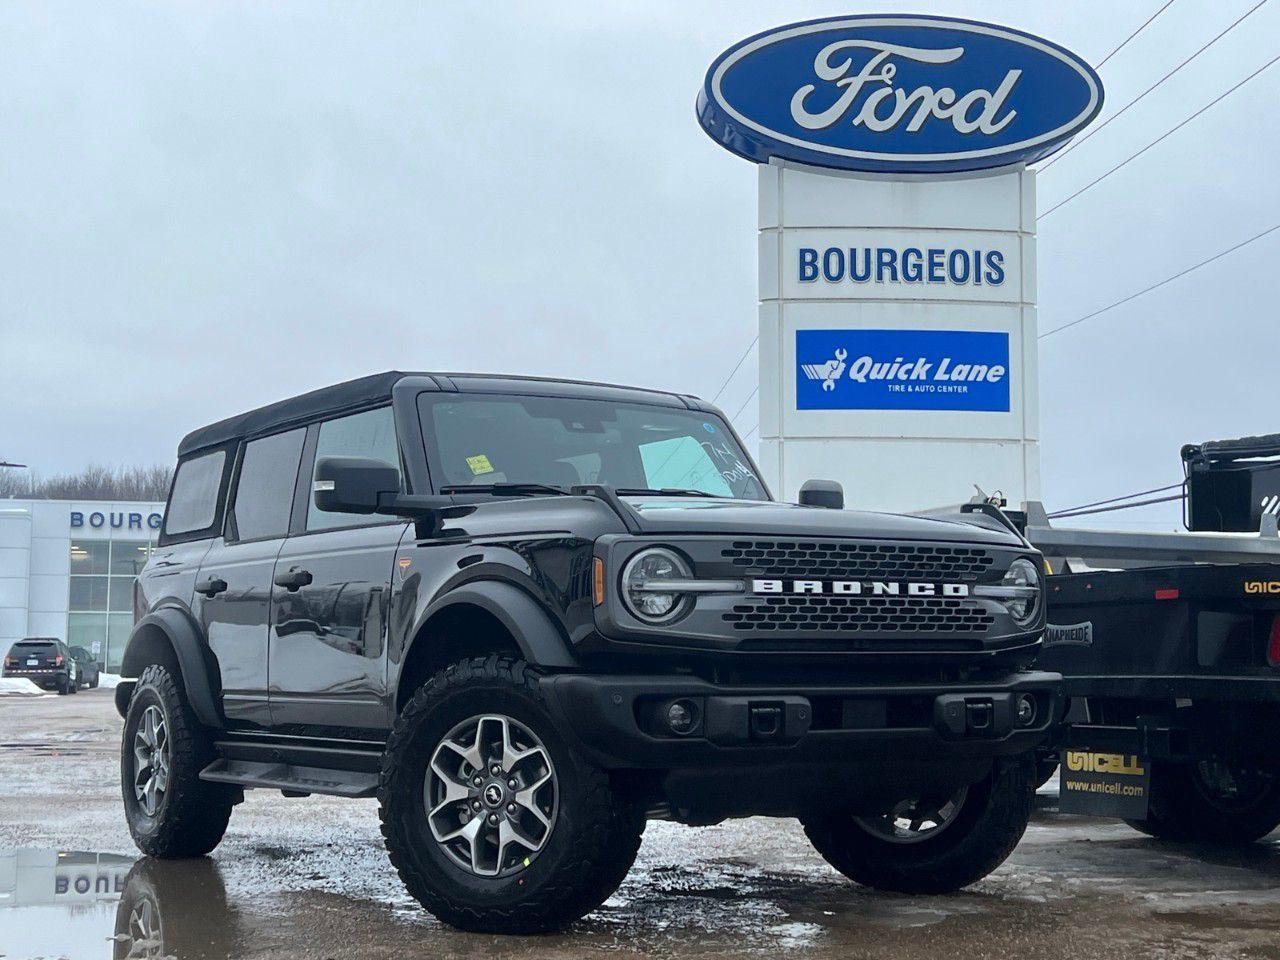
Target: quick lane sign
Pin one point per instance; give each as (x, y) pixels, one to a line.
(1095, 784)
(902, 370)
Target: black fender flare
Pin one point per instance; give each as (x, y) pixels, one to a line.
(202, 686)
(540, 641)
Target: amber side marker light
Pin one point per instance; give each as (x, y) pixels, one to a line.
(597, 566)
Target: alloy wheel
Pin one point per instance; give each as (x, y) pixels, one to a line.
(491, 795)
(151, 760)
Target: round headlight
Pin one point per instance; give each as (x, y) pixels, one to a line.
(638, 587)
(1023, 573)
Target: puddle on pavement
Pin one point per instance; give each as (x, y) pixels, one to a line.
(110, 907)
(85, 906)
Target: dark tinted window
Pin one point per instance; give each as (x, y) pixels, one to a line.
(193, 505)
(32, 648)
(264, 492)
(371, 434)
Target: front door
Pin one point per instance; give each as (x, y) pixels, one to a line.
(233, 587)
(332, 580)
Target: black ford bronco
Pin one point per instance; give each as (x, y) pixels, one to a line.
(528, 615)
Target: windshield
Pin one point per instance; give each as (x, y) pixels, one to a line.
(486, 439)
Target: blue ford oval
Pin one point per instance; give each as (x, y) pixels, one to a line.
(897, 94)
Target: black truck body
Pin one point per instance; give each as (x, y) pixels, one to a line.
(1169, 645)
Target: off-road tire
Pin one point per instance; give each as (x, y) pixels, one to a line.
(193, 814)
(591, 847)
(987, 828)
(1181, 812)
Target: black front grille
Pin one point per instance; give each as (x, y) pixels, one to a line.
(850, 560)
(900, 615)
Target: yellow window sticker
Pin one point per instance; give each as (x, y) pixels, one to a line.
(479, 464)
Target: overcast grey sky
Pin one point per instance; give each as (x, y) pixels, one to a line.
(209, 206)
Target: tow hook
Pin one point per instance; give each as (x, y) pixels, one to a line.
(732, 721)
(960, 716)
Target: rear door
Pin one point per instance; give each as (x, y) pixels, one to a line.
(233, 587)
(332, 587)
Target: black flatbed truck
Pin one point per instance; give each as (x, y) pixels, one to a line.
(1171, 663)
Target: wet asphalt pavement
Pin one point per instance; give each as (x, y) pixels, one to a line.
(309, 878)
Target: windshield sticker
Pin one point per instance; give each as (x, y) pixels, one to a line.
(709, 427)
(479, 464)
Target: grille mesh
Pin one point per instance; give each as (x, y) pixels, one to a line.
(841, 560)
(864, 614)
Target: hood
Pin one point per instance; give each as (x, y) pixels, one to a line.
(670, 515)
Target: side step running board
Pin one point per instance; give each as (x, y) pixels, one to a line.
(291, 779)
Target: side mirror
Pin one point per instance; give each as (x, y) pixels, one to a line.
(354, 484)
(822, 493)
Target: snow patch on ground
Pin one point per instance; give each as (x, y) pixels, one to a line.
(20, 687)
(109, 681)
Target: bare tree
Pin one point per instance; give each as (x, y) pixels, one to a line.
(94, 482)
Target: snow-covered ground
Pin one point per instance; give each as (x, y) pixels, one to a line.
(20, 687)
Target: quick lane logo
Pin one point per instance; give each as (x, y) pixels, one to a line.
(1112, 764)
(857, 588)
(902, 370)
(1262, 586)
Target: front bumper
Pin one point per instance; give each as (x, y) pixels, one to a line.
(618, 720)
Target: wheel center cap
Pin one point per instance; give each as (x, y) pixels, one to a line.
(493, 795)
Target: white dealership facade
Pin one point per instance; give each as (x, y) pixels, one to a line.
(67, 570)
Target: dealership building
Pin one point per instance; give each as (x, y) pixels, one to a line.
(67, 570)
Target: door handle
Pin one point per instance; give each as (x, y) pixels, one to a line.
(211, 586)
(295, 579)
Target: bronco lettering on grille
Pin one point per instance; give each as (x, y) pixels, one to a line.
(858, 588)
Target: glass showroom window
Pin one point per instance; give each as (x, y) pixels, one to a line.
(101, 601)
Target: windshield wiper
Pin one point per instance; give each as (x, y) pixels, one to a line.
(666, 492)
(501, 489)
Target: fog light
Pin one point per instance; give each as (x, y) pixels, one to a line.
(1026, 711)
(682, 716)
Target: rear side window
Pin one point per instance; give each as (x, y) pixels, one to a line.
(193, 504)
(264, 492)
(372, 435)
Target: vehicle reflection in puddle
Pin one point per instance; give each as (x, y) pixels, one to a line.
(96, 906)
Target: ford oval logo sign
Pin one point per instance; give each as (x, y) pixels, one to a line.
(897, 94)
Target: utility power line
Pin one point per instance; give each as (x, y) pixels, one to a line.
(1125, 42)
(1239, 20)
(754, 391)
(750, 432)
(746, 353)
(1180, 273)
(1220, 97)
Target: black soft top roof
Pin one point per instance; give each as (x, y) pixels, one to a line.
(372, 390)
